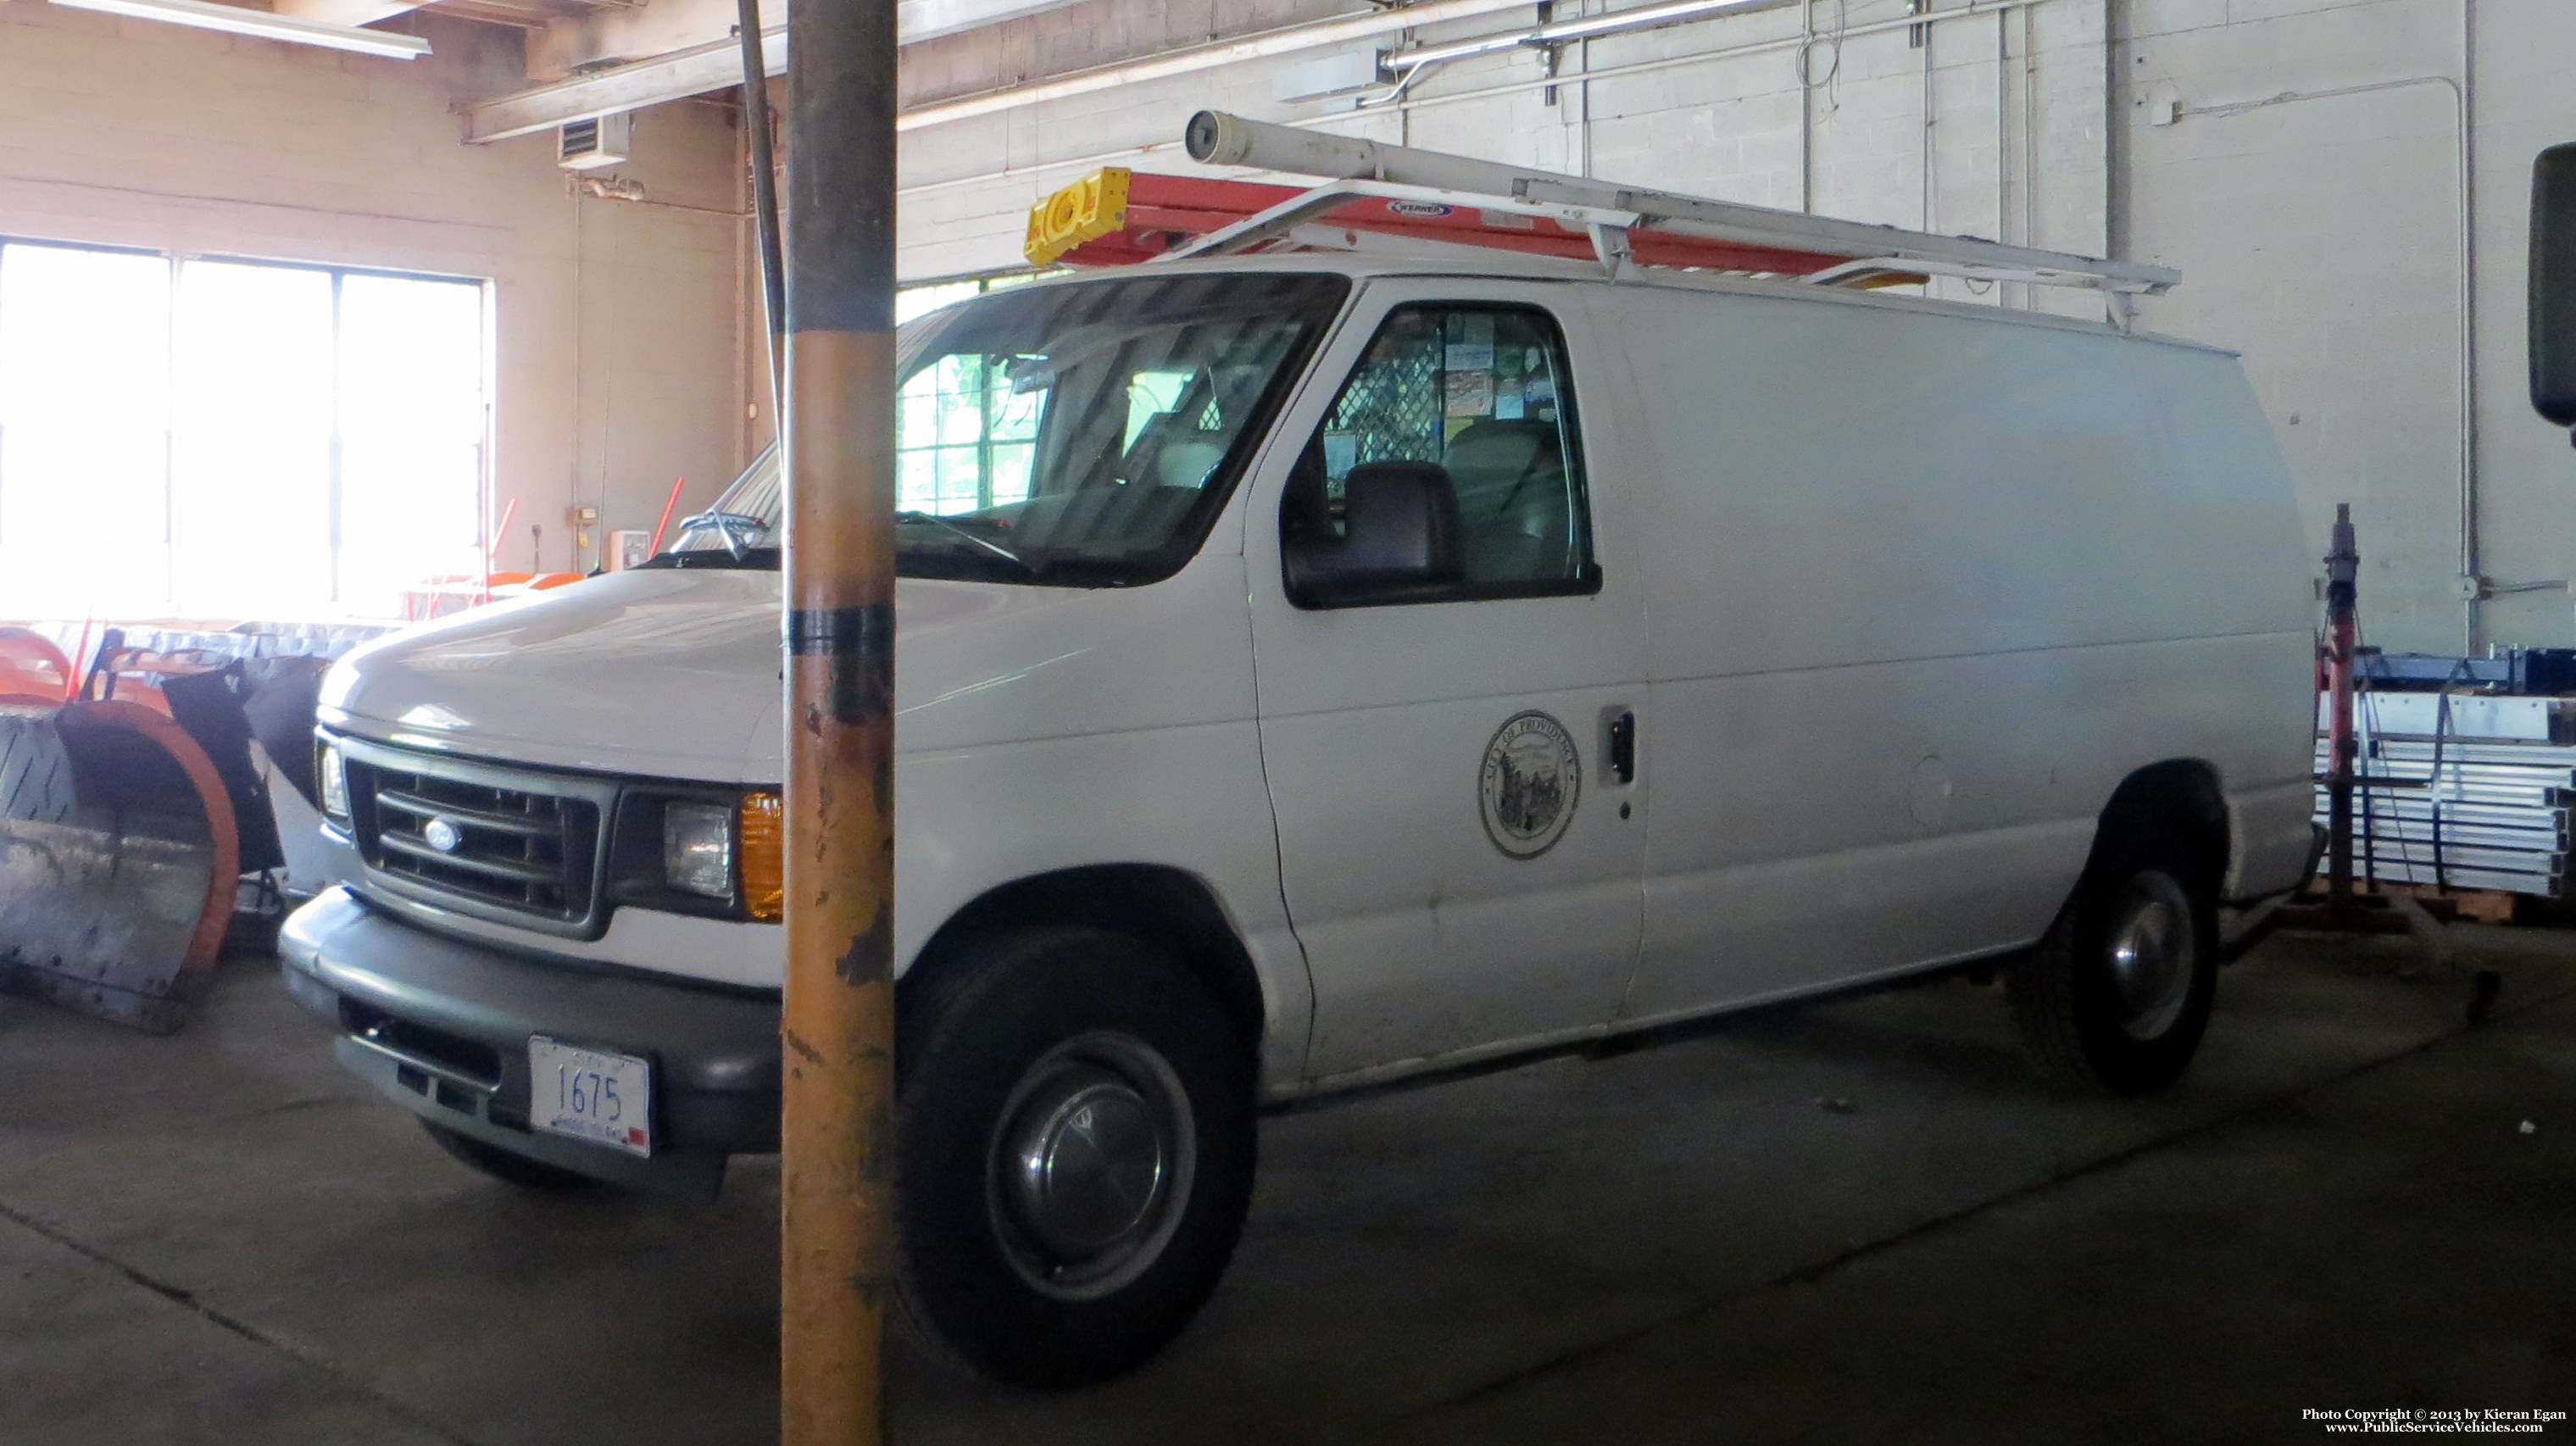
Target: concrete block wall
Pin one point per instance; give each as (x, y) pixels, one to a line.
(2320, 234)
(616, 324)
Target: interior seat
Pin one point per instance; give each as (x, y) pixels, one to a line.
(1510, 480)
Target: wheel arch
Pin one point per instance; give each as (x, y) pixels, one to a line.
(2184, 795)
(1156, 902)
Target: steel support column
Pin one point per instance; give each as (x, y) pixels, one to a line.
(836, 1182)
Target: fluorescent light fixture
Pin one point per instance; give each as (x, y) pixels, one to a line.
(234, 20)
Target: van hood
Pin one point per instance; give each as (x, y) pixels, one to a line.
(670, 673)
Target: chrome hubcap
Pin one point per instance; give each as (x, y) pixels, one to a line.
(2151, 957)
(1091, 1165)
(1086, 1161)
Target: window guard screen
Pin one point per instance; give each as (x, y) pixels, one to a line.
(1482, 392)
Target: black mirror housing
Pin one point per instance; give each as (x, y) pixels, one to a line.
(2553, 284)
(1400, 534)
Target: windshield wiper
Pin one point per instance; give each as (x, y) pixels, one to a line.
(986, 543)
(733, 527)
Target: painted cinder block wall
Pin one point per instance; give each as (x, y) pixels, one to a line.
(617, 324)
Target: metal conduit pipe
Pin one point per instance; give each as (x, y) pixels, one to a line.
(1593, 27)
(2003, 124)
(1724, 52)
(2030, 143)
(1931, 156)
(1806, 105)
(687, 72)
(1260, 46)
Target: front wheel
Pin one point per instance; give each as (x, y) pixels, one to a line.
(2118, 995)
(1075, 1123)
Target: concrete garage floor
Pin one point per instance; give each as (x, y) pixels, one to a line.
(217, 1237)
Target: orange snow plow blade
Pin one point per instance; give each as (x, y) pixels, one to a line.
(119, 858)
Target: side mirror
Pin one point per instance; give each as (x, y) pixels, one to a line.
(2553, 284)
(1399, 533)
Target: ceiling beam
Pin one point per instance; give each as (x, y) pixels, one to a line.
(695, 70)
(688, 49)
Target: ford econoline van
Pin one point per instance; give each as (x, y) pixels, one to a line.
(1317, 670)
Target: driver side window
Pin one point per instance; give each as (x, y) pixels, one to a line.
(1477, 395)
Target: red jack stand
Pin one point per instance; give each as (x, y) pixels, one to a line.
(2345, 911)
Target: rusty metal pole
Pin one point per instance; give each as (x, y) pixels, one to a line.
(836, 1178)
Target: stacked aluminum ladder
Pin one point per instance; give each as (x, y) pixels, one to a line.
(2463, 792)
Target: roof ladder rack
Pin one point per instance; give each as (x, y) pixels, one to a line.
(1626, 227)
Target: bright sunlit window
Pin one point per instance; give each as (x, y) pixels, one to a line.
(964, 437)
(224, 439)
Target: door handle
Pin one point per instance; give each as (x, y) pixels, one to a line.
(1623, 747)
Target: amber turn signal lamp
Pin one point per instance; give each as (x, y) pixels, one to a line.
(764, 856)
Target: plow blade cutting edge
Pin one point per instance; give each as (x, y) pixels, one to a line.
(118, 861)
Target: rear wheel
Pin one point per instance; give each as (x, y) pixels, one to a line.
(1075, 1125)
(508, 1168)
(2118, 995)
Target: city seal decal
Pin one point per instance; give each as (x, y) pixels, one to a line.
(1528, 786)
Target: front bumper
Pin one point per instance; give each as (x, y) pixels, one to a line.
(441, 1026)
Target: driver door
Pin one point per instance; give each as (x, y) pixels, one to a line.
(1461, 829)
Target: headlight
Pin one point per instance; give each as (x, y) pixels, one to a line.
(697, 848)
(333, 779)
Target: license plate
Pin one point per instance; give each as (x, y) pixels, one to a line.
(591, 1095)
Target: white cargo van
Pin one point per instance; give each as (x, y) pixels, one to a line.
(1316, 670)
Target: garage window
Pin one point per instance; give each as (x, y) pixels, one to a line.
(964, 441)
(233, 439)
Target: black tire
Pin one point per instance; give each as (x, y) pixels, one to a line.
(2117, 996)
(508, 1168)
(1025, 1274)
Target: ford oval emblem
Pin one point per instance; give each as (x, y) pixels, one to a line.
(442, 835)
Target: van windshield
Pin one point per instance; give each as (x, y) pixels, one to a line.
(1081, 435)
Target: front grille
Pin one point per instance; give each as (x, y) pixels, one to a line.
(517, 846)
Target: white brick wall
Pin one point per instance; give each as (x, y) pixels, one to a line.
(2320, 236)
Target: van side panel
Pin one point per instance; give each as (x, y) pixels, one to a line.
(2219, 430)
(1925, 588)
(1799, 838)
